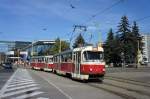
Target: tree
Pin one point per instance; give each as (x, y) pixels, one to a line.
(137, 40)
(79, 41)
(59, 44)
(111, 49)
(135, 29)
(110, 35)
(125, 36)
(123, 47)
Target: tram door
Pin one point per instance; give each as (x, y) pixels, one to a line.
(77, 61)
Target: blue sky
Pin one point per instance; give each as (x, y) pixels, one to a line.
(30, 20)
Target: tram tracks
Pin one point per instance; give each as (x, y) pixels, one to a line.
(126, 89)
(140, 83)
(110, 90)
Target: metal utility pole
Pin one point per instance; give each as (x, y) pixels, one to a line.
(99, 34)
(60, 43)
(59, 46)
(18, 51)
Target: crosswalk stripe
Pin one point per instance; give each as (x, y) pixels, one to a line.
(19, 92)
(21, 87)
(22, 79)
(42, 98)
(28, 95)
(13, 83)
(27, 77)
(19, 84)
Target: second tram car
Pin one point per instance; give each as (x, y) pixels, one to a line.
(81, 63)
(42, 63)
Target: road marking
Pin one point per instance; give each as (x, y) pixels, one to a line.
(19, 92)
(28, 95)
(11, 83)
(69, 97)
(24, 79)
(5, 86)
(20, 86)
(42, 98)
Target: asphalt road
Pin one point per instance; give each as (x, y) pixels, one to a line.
(70, 89)
(5, 75)
(32, 84)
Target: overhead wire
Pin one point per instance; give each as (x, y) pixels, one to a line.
(143, 18)
(106, 9)
(101, 12)
(98, 13)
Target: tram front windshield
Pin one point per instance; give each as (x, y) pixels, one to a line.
(91, 56)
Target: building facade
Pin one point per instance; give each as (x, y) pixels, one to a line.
(146, 48)
(39, 47)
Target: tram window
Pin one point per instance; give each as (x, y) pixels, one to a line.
(55, 59)
(58, 59)
(64, 58)
(42, 59)
(69, 57)
(49, 60)
(69, 60)
(45, 59)
(92, 56)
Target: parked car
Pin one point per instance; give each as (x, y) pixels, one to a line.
(7, 65)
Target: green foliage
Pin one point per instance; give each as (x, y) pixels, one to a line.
(79, 41)
(126, 38)
(111, 49)
(56, 48)
(137, 39)
(108, 48)
(123, 47)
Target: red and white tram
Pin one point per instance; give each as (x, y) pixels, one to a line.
(81, 63)
(42, 63)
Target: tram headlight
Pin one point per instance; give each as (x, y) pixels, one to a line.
(103, 69)
(91, 69)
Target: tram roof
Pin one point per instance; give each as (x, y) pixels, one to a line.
(49, 56)
(82, 49)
